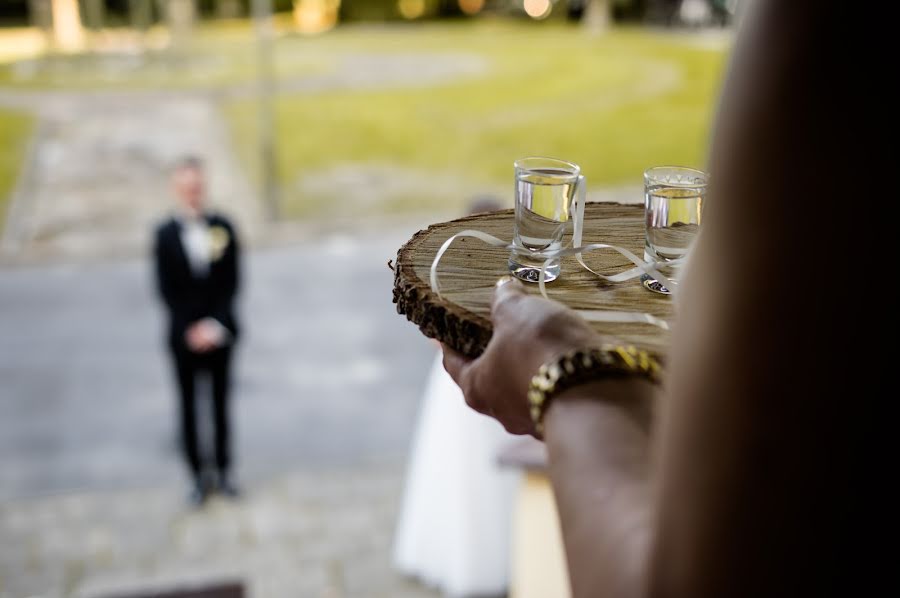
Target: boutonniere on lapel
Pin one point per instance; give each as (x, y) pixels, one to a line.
(218, 242)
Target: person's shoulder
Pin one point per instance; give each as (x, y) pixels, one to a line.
(165, 226)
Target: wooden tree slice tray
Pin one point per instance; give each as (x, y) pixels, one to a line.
(469, 270)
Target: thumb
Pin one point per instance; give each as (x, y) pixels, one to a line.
(455, 363)
(507, 292)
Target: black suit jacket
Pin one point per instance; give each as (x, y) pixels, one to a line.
(188, 297)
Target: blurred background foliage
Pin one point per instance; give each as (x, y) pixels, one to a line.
(469, 85)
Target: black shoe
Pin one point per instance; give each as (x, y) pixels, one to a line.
(198, 495)
(226, 486)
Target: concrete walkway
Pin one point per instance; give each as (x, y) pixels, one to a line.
(327, 373)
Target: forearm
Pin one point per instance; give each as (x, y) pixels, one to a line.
(598, 442)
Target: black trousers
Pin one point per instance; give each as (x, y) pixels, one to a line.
(189, 367)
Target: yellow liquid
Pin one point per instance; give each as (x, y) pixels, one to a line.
(543, 205)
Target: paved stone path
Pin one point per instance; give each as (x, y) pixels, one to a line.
(98, 174)
(327, 374)
(327, 387)
(320, 534)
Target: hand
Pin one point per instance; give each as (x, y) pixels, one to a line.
(528, 332)
(201, 337)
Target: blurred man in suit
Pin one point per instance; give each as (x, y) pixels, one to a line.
(197, 253)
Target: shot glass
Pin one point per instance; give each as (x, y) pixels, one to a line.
(545, 195)
(673, 206)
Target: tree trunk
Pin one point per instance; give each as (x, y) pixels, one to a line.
(228, 9)
(598, 15)
(41, 14)
(68, 34)
(180, 16)
(140, 14)
(94, 14)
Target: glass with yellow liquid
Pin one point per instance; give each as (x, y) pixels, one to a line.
(673, 208)
(545, 193)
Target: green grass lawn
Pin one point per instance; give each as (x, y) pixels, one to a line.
(615, 104)
(15, 128)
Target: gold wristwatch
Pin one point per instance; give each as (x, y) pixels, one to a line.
(587, 365)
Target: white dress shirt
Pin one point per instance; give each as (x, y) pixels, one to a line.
(195, 241)
(194, 232)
